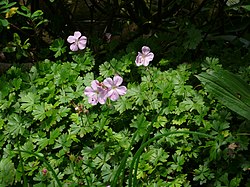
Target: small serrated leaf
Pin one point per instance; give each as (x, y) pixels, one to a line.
(39, 112)
(28, 101)
(7, 172)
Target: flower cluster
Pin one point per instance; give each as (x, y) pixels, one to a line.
(98, 92)
(77, 41)
(144, 57)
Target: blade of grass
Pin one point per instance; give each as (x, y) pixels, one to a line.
(139, 151)
(123, 163)
(144, 139)
(46, 162)
(25, 183)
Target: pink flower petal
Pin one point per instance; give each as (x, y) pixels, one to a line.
(102, 100)
(110, 92)
(95, 84)
(73, 47)
(71, 39)
(93, 100)
(150, 56)
(81, 45)
(89, 91)
(83, 39)
(82, 42)
(145, 50)
(77, 34)
(117, 80)
(108, 82)
(145, 62)
(114, 96)
(138, 60)
(121, 90)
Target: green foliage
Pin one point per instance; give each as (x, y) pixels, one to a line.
(194, 37)
(147, 133)
(17, 47)
(230, 89)
(167, 130)
(7, 172)
(36, 18)
(58, 47)
(26, 27)
(6, 8)
(202, 174)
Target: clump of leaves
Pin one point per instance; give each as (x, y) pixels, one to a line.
(145, 138)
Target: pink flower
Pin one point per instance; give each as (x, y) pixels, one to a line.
(77, 41)
(44, 171)
(145, 57)
(96, 93)
(114, 88)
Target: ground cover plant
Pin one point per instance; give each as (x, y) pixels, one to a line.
(135, 115)
(46, 117)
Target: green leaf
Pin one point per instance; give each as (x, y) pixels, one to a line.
(137, 94)
(39, 112)
(7, 172)
(16, 82)
(28, 146)
(53, 135)
(194, 38)
(160, 122)
(122, 104)
(235, 182)
(82, 124)
(5, 88)
(6, 103)
(37, 13)
(42, 143)
(27, 14)
(58, 47)
(63, 141)
(228, 88)
(15, 125)
(66, 95)
(3, 2)
(140, 123)
(106, 70)
(62, 112)
(85, 61)
(232, 2)
(28, 101)
(42, 22)
(247, 7)
(4, 22)
(6, 5)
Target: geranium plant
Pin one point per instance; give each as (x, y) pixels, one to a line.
(70, 123)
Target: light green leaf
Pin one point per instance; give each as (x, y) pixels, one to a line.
(15, 125)
(28, 146)
(122, 104)
(7, 172)
(4, 22)
(39, 112)
(247, 7)
(58, 47)
(140, 123)
(28, 101)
